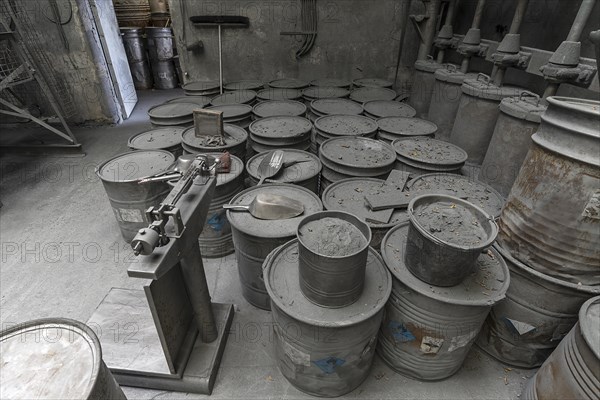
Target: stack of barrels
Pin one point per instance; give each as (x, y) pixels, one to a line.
(137, 57)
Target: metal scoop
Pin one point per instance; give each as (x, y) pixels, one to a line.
(270, 206)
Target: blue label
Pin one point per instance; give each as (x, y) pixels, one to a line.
(400, 332)
(216, 221)
(329, 364)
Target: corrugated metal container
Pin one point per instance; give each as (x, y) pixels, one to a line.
(133, 41)
(428, 331)
(215, 238)
(274, 133)
(254, 239)
(422, 86)
(538, 312)
(141, 75)
(551, 221)
(364, 94)
(423, 155)
(572, 372)
(278, 108)
(303, 169)
(130, 200)
(54, 358)
(166, 138)
(392, 128)
(322, 351)
(235, 142)
(376, 109)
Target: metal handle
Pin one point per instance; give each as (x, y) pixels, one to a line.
(527, 93)
(486, 78)
(451, 67)
(236, 207)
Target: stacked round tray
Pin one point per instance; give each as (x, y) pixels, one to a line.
(331, 126)
(201, 88)
(324, 92)
(280, 132)
(201, 101)
(388, 108)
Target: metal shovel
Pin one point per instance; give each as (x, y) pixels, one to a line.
(270, 206)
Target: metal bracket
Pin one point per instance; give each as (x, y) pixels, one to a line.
(581, 75)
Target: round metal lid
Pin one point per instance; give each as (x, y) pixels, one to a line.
(282, 281)
(201, 86)
(275, 108)
(128, 167)
(389, 108)
(202, 101)
(172, 110)
(346, 125)
(279, 94)
(288, 83)
(280, 127)
(478, 193)
(64, 364)
(527, 107)
(234, 135)
(159, 138)
(233, 111)
(406, 126)
(485, 287)
(372, 82)
(428, 65)
(236, 169)
(235, 97)
(246, 223)
(336, 106)
(589, 321)
(364, 94)
(453, 76)
(331, 82)
(430, 151)
(308, 166)
(358, 152)
(349, 195)
(489, 91)
(246, 84)
(325, 92)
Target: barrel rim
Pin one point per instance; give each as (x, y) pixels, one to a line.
(266, 103)
(176, 131)
(288, 83)
(425, 127)
(367, 89)
(243, 136)
(127, 153)
(241, 111)
(182, 114)
(295, 151)
(246, 96)
(301, 132)
(369, 82)
(348, 139)
(362, 118)
(314, 106)
(426, 160)
(403, 106)
(589, 330)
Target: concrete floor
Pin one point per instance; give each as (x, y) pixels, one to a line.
(62, 252)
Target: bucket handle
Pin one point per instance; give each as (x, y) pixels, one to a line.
(429, 58)
(451, 67)
(527, 93)
(486, 78)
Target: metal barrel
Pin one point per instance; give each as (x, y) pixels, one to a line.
(280, 132)
(128, 199)
(54, 358)
(372, 82)
(357, 157)
(392, 128)
(322, 351)
(141, 75)
(135, 47)
(277, 108)
(538, 312)
(164, 74)
(332, 280)
(421, 90)
(376, 109)
(423, 155)
(235, 142)
(519, 119)
(160, 43)
(215, 238)
(428, 331)
(304, 172)
(366, 94)
(254, 239)
(552, 216)
(166, 138)
(571, 371)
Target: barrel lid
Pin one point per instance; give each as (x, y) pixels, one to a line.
(389, 108)
(430, 151)
(358, 152)
(526, 107)
(279, 94)
(201, 86)
(589, 321)
(280, 127)
(202, 101)
(288, 83)
(324, 92)
(486, 90)
(172, 110)
(341, 83)
(365, 94)
(245, 84)
(346, 125)
(281, 276)
(428, 65)
(49, 359)
(128, 167)
(233, 111)
(159, 138)
(234, 135)
(308, 167)
(283, 228)
(349, 195)
(403, 126)
(476, 192)
(236, 169)
(336, 106)
(274, 108)
(453, 75)
(372, 82)
(235, 97)
(484, 287)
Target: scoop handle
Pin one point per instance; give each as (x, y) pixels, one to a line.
(236, 207)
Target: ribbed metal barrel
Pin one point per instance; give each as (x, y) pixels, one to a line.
(54, 358)
(141, 75)
(164, 74)
(254, 239)
(571, 371)
(160, 43)
(166, 138)
(321, 351)
(551, 221)
(428, 331)
(538, 312)
(423, 155)
(235, 142)
(130, 200)
(421, 90)
(392, 128)
(216, 238)
(303, 169)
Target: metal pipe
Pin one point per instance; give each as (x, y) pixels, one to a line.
(519, 15)
(478, 14)
(432, 11)
(220, 62)
(447, 22)
(585, 10)
(404, 10)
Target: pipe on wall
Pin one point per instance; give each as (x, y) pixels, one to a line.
(585, 10)
(432, 11)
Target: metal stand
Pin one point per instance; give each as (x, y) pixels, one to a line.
(168, 336)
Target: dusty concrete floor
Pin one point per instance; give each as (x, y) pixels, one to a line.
(62, 252)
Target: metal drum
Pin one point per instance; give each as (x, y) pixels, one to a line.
(538, 312)
(323, 92)
(164, 74)
(254, 238)
(288, 83)
(323, 351)
(334, 126)
(551, 220)
(235, 114)
(372, 82)
(299, 167)
(54, 359)
(392, 128)
(201, 101)
(160, 43)
(421, 90)
(171, 114)
(331, 82)
(322, 107)
(133, 41)
(235, 142)
(248, 84)
(273, 133)
(279, 108)
(235, 97)
(349, 195)
(130, 200)
(388, 108)
(364, 94)
(279, 94)
(519, 119)
(572, 371)
(141, 75)
(167, 138)
(215, 238)
(202, 88)
(422, 155)
(477, 114)
(428, 331)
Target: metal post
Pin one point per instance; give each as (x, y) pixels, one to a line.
(519, 15)
(585, 10)
(220, 62)
(478, 14)
(432, 11)
(447, 21)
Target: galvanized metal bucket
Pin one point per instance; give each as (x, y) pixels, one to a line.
(321, 351)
